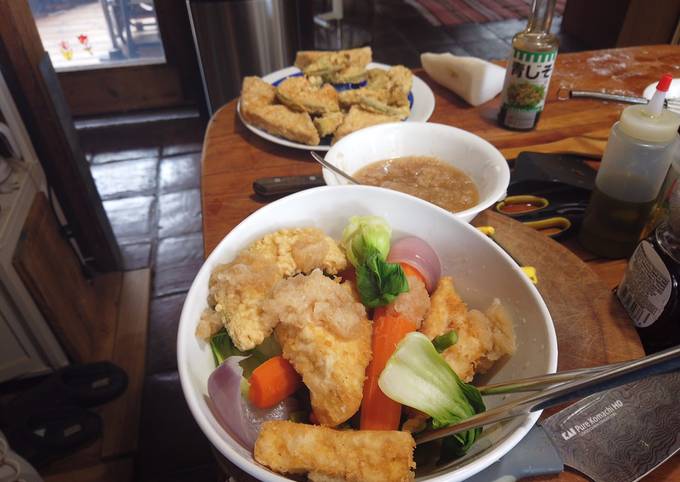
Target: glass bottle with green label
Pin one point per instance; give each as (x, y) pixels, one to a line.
(530, 66)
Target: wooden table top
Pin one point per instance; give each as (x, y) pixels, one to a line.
(233, 157)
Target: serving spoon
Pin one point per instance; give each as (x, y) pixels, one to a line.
(330, 166)
(604, 379)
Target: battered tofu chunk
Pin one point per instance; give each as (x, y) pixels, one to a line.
(281, 121)
(255, 92)
(298, 94)
(327, 124)
(358, 118)
(446, 309)
(238, 289)
(325, 334)
(300, 250)
(483, 338)
(330, 455)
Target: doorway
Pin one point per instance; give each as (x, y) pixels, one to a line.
(114, 56)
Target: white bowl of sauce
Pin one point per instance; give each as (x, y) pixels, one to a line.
(450, 167)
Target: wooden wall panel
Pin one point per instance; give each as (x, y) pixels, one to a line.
(35, 88)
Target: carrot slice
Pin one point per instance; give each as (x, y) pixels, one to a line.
(378, 412)
(411, 271)
(272, 382)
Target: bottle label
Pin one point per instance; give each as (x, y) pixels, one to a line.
(526, 86)
(646, 286)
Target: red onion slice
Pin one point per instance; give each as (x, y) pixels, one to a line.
(420, 255)
(235, 413)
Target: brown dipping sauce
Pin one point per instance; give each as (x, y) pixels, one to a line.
(425, 177)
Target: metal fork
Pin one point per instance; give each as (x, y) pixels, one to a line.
(620, 374)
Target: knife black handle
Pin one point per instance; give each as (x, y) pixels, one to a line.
(276, 186)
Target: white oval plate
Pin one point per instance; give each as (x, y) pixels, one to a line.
(421, 110)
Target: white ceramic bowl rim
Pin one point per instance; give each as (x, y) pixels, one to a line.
(494, 195)
(187, 329)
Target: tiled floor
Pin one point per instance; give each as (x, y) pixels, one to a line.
(149, 180)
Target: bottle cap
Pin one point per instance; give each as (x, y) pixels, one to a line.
(637, 122)
(664, 83)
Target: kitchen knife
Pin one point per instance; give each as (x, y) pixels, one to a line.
(618, 435)
(276, 186)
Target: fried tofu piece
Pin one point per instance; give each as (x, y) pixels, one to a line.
(255, 92)
(300, 250)
(327, 124)
(238, 289)
(336, 455)
(298, 94)
(325, 334)
(235, 293)
(483, 338)
(358, 118)
(281, 121)
(446, 309)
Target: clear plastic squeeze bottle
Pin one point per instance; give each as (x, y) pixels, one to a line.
(633, 168)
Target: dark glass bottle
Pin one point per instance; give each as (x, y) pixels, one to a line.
(649, 289)
(530, 67)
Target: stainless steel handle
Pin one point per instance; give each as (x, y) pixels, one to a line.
(629, 99)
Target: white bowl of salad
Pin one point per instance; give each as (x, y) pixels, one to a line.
(450, 167)
(308, 339)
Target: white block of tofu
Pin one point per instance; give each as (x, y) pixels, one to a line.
(475, 80)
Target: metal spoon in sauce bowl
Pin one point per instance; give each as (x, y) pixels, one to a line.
(330, 166)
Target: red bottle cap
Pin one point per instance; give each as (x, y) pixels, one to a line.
(664, 83)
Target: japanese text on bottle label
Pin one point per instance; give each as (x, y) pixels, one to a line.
(646, 286)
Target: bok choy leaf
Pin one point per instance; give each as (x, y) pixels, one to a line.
(418, 376)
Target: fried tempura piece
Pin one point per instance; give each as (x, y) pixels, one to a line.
(344, 66)
(352, 74)
(352, 97)
(327, 124)
(372, 105)
(360, 56)
(281, 121)
(298, 94)
(332, 455)
(238, 289)
(325, 334)
(358, 118)
(482, 338)
(255, 93)
(401, 77)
